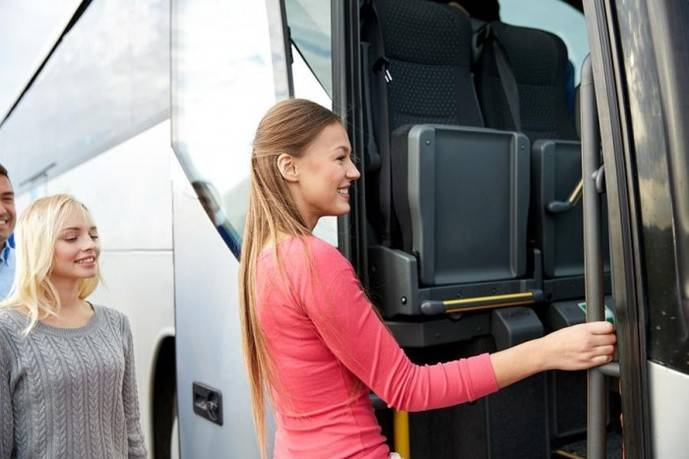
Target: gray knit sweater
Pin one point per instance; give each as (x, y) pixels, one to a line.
(68, 393)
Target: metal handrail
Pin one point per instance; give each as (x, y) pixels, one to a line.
(478, 303)
(596, 447)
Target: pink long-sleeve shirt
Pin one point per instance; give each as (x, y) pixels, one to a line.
(328, 347)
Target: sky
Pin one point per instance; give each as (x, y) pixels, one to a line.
(28, 29)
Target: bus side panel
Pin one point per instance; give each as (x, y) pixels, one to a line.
(208, 333)
(669, 401)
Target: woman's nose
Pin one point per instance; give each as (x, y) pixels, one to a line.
(89, 244)
(353, 173)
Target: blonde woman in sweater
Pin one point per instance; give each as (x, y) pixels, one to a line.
(67, 383)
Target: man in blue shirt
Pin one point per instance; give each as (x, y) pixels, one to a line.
(8, 216)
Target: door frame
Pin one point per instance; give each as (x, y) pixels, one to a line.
(623, 218)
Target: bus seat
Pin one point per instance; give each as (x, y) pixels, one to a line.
(466, 205)
(460, 195)
(428, 49)
(460, 191)
(539, 64)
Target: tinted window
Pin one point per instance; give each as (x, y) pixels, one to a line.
(659, 118)
(225, 75)
(309, 24)
(553, 16)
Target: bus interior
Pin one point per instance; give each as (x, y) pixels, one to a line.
(473, 221)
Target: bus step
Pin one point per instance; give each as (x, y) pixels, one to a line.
(577, 450)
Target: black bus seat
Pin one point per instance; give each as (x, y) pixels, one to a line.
(539, 65)
(467, 194)
(459, 191)
(538, 62)
(460, 194)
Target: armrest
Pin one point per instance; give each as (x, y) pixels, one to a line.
(557, 173)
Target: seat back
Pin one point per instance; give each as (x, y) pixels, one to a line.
(539, 63)
(441, 158)
(466, 201)
(540, 67)
(431, 83)
(428, 47)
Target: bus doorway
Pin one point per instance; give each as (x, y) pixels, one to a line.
(468, 244)
(468, 223)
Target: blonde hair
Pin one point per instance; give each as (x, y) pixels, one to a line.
(288, 127)
(36, 233)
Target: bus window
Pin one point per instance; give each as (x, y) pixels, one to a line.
(555, 17)
(219, 93)
(93, 93)
(658, 114)
(309, 25)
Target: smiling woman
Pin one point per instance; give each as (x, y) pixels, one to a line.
(53, 234)
(67, 380)
(76, 250)
(319, 180)
(312, 340)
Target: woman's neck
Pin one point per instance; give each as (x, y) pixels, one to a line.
(68, 292)
(281, 236)
(74, 312)
(311, 223)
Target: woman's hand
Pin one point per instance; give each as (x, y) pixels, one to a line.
(579, 347)
(573, 348)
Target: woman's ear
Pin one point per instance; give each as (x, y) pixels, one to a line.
(287, 165)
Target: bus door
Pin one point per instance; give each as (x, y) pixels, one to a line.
(467, 226)
(638, 60)
(229, 66)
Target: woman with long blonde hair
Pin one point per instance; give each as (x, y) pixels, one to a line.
(313, 343)
(67, 383)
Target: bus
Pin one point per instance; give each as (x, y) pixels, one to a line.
(524, 168)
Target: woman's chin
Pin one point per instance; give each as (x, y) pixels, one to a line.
(338, 211)
(343, 209)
